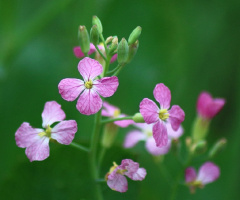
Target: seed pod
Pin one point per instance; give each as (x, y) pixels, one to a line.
(122, 52)
(84, 39)
(96, 21)
(134, 35)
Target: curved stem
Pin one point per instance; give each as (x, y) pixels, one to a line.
(115, 119)
(79, 146)
(114, 70)
(100, 53)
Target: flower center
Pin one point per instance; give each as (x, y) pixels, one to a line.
(163, 114)
(116, 113)
(88, 84)
(46, 133)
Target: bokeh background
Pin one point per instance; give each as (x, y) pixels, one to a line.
(190, 46)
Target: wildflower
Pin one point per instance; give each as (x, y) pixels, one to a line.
(208, 107)
(114, 112)
(152, 114)
(208, 173)
(116, 179)
(89, 90)
(36, 141)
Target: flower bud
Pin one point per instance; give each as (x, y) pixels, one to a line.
(109, 39)
(217, 148)
(94, 35)
(109, 134)
(134, 35)
(96, 21)
(113, 46)
(200, 129)
(138, 118)
(122, 52)
(132, 50)
(199, 147)
(84, 39)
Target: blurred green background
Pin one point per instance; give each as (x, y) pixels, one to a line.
(190, 46)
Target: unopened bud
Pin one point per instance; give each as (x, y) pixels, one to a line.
(96, 21)
(199, 147)
(94, 35)
(109, 134)
(134, 35)
(200, 129)
(218, 147)
(113, 46)
(138, 118)
(122, 52)
(109, 39)
(132, 50)
(84, 39)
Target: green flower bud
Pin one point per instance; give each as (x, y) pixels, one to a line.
(84, 39)
(94, 35)
(96, 21)
(217, 148)
(122, 52)
(113, 46)
(199, 147)
(138, 118)
(200, 129)
(134, 35)
(132, 50)
(109, 39)
(109, 134)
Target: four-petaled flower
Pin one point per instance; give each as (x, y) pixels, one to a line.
(114, 112)
(116, 179)
(89, 90)
(152, 114)
(207, 173)
(36, 141)
(208, 107)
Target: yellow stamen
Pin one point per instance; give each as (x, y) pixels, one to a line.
(88, 84)
(163, 114)
(116, 113)
(46, 133)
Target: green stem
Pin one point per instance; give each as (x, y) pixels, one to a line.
(79, 146)
(115, 119)
(104, 43)
(114, 70)
(100, 53)
(119, 69)
(101, 156)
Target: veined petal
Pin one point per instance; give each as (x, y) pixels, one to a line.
(176, 117)
(154, 150)
(114, 58)
(190, 175)
(70, 88)
(160, 134)
(106, 86)
(118, 183)
(163, 95)
(89, 68)
(52, 112)
(89, 102)
(149, 111)
(78, 51)
(172, 133)
(39, 150)
(133, 138)
(130, 166)
(139, 175)
(26, 135)
(64, 131)
(208, 173)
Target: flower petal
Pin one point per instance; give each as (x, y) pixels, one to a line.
(118, 183)
(131, 167)
(176, 117)
(64, 131)
(78, 52)
(154, 150)
(52, 112)
(114, 58)
(160, 134)
(149, 111)
(89, 102)
(39, 150)
(208, 173)
(123, 123)
(89, 68)
(26, 135)
(172, 133)
(163, 95)
(70, 88)
(190, 175)
(109, 110)
(133, 138)
(139, 175)
(106, 86)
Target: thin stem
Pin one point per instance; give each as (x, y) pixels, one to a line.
(118, 71)
(115, 119)
(100, 53)
(104, 43)
(79, 146)
(101, 156)
(114, 70)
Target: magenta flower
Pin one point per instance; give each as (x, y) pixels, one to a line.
(36, 141)
(208, 107)
(208, 173)
(153, 115)
(89, 90)
(114, 112)
(116, 179)
(79, 54)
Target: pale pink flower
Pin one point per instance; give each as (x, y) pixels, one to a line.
(153, 115)
(90, 88)
(207, 173)
(79, 54)
(208, 107)
(36, 141)
(116, 179)
(114, 112)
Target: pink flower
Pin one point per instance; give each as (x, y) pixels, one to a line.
(116, 179)
(208, 173)
(114, 112)
(79, 54)
(89, 90)
(36, 141)
(153, 115)
(208, 107)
